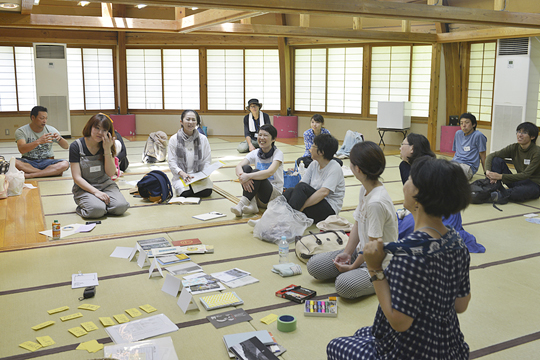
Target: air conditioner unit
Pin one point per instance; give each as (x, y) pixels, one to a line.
(515, 95)
(52, 84)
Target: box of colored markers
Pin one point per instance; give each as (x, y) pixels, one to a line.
(326, 308)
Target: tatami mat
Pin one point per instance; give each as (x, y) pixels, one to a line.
(501, 322)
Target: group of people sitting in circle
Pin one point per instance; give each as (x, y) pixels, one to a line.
(417, 265)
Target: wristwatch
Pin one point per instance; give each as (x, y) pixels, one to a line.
(379, 275)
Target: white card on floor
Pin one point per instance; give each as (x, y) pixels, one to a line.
(153, 267)
(209, 216)
(122, 252)
(171, 285)
(141, 261)
(132, 254)
(186, 302)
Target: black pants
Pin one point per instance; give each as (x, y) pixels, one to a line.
(297, 197)
(200, 194)
(262, 188)
(517, 191)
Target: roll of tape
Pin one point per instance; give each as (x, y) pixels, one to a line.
(286, 323)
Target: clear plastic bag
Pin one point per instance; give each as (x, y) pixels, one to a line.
(15, 178)
(280, 219)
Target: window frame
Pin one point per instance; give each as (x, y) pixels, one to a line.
(17, 112)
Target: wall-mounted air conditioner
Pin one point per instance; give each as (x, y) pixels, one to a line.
(515, 95)
(52, 84)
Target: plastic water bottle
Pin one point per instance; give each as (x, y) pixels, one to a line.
(283, 250)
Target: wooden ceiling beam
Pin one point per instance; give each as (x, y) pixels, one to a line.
(161, 39)
(26, 7)
(87, 23)
(486, 34)
(302, 32)
(212, 17)
(364, 8)
(10, 35)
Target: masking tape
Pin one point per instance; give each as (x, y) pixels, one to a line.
(286, 323)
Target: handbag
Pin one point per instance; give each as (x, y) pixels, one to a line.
(326, 241)
(290, 179)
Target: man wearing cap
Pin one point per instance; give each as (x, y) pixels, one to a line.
(470, 146)
(252, 122)
(34, 142)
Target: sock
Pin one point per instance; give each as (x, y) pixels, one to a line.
(252, 207)
(237, 210)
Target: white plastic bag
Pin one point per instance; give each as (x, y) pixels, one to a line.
(280, 219)
(15, 178)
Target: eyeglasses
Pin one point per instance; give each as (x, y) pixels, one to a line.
(521, 133)
(403, 144)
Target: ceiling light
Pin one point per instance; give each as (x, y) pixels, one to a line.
(36, 2)
(9, 6)
(83, 3)
(194, 8)
(141, 6)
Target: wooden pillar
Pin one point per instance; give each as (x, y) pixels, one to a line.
(357, 23)
(453, 76)
(434, 95)
(121, 68)
(304, 20)
(179, 13)
(106, 10)
(284, 69)
(406, 25)
(499, 5)
(203, 78)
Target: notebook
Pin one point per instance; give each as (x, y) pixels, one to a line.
(209, 216)
(221, 300)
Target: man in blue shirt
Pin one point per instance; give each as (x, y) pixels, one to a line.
(470, 146)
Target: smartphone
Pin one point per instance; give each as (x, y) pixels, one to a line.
(93, 222)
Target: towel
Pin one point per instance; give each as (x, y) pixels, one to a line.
(251, 123)
(286, 270)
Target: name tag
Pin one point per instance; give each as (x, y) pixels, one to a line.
(466, 148)
(527, 161)
(95, 168)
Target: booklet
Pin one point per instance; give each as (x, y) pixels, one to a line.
(230, 275)
(184, 268)
(252, 349)
(230, 317)
(184, 200)
(203, 174)
(209, 216)
(150, 244)
(233, 339)
(221, 300)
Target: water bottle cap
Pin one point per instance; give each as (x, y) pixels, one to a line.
(283, 238)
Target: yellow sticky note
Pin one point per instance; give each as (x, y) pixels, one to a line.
(106, 321)
(45, 341)
(78, 331)
(30, 345)
(57, 310)
(89, 326)
(71, 317)
(89, 307)
(268, 319)
(93, 346)
(148, 308)
(121, 318)
(133, 312)
(43, 325)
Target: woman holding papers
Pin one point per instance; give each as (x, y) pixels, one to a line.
(189, 153)
(265, 182)
(92, 165)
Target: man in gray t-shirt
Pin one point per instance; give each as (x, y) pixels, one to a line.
(34, 142)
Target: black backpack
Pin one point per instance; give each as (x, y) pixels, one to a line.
(481, 190)
(155, 186)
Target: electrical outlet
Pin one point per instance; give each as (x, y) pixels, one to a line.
(7, 131)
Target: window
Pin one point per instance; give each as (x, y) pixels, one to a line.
(90, 79)
(181, 78)
(420, 80)
(17, 78)
(538, 112)
(481, 76)
(390, 73)
(144, 79)
(225, 73)
(345, 80)
(262, 77)
(310, 80)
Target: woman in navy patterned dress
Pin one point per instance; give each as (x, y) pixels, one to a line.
(427, 282)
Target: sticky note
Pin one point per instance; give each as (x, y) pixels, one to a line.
(30, 345)
(43, 325)
(106, 321)
(57, 310)
(89, 307)
(91, 346)
(78, 331)
(71, 317)
(89, 326)
(268, 319)
(133, 312)
(148, 308)
(45, 341)
(121, 318)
